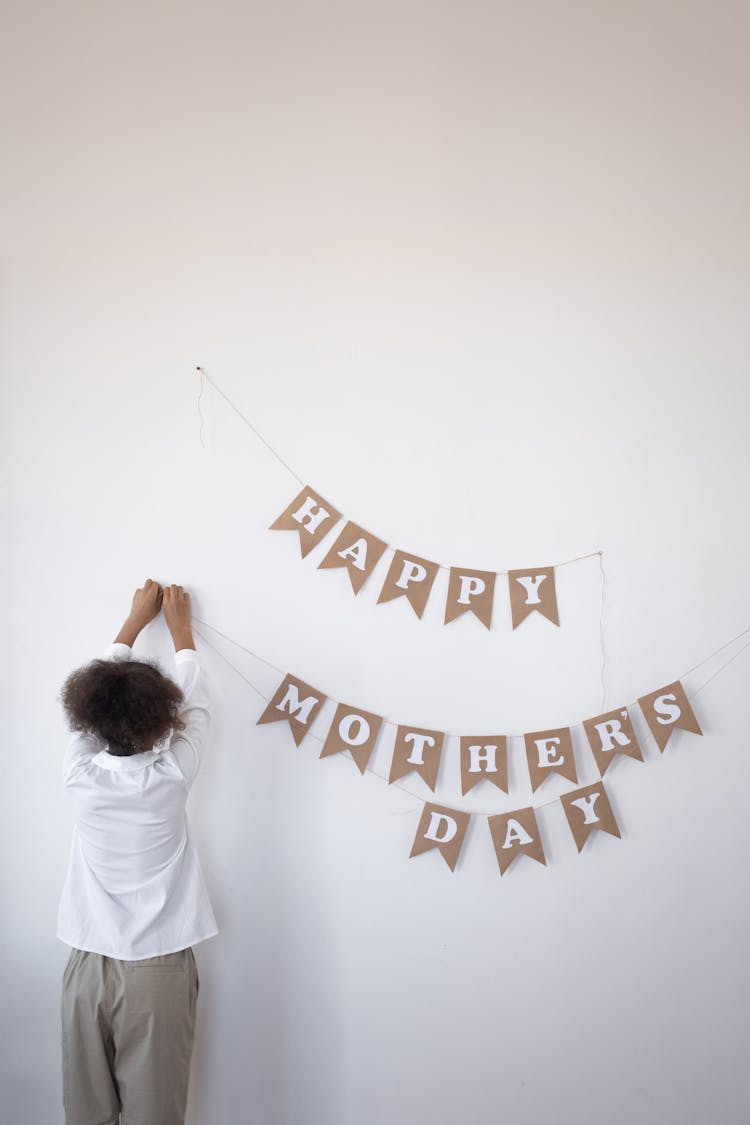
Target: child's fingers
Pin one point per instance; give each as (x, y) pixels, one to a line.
(175, 592)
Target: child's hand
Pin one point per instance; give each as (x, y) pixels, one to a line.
(146, 603)
(177, 612)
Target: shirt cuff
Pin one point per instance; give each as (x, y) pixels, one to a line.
(186, 656)
(118, 651)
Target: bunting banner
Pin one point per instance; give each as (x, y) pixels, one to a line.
(420, 750)
(516, 833)
(357, 551)
(443, 829)
(667, 710)
(412, 577)
(550, 751)
(311, 516)
(588, 809)
(354, 730)
(470, 591)
(532, 591)
(611, 734)
(484, 757)
(295, 701)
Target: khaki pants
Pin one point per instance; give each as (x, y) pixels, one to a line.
(127, 1038)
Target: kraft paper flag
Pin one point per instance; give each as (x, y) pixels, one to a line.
(533, 590)
(310, 515)
(484, 756)
(611, 734)
(419, 750)
(666, 710)
(354, 730)
(443, 829)
(470, 590)
(356, 550)
(295, 701)
(516, 833)
(588, 809)
(550, 751)
(411, 577)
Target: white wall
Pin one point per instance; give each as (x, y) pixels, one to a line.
(480, 271)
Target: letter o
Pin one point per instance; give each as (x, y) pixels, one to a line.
(345, 730)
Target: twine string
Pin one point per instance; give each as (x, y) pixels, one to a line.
(716, 653)
(227, 399)
(601, 633)
(724, 665)
(200, 412)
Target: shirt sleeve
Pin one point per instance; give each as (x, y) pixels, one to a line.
(187, 745)
(81, 745)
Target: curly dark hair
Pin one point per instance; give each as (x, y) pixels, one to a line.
(130, 704)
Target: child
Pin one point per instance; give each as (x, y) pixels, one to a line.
(134, 901)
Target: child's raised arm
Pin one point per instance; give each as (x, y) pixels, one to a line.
(178, 616)
(146, 605)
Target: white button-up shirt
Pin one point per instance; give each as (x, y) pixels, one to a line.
(134, 887)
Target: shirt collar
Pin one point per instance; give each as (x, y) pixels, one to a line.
(124, 762)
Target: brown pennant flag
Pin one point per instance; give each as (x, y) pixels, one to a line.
(516, 833)
(310, 515)
(611, 734)
(419, 750)
(550, 751)
(666, 710)
(354, 730)
(296, 701)
(358, 551)
(470, 590)
(484, 756)
(588, 809)
(443, 829)
(409, 576)
(533, 590)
